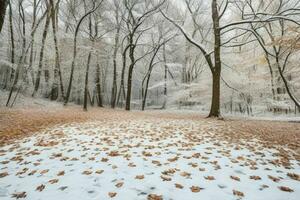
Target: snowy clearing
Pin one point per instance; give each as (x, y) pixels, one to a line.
(146, 158)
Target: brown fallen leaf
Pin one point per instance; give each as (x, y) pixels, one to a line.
(211, 178)
(131, 165)
(87, 172)
(195, 189)
(44, 171)
(294, 176)
(273, 178)
(120, 184)
(112, 194)
(173, 159)
(285, 189)
(61, 173)
(139, 177)
(40, 188)
(113, 153)
(147, 154)
(32, 172)
(235, 178)
(185, 174)
(154, 197)
(19, 195)
(2, 175)
(238, 193)
(100, 171)
(104, 159)
(179, 186)
(255, 178)
(165, 178)
(52, 181)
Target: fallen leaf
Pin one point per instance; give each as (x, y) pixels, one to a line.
(285, 189)
(112, 194)
(40, 188)
(235, 178)
(19, 195)
(294, 176)
(179, 186)
(61, 173)
(52, 181)
(139, 177)
(238, 193)
(120, 184)
(165, 178)
(87, 172)
(154, 197)
(211, 178)
(100, 171)
(195, 189)
(2, 175)
(255, 178)
(275, 179)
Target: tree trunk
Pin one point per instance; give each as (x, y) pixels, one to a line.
(114, 88)
(86, 85)
(3, 5)
(165, 77)
(122, 84)
(98, 86)
(57, 70)
(12, 60)
(130, 71)
(216, 73)
(38, 77)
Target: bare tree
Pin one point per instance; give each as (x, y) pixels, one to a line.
(133, 24)
(94, 8)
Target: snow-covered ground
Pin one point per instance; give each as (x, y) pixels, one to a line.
(144, 159)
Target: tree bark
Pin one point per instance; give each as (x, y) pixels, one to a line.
(3, 6)
(38, 77)
(216, 72)
(114, 88)
(98, 86)
(130, 71)
(86, 85)
(57, 69)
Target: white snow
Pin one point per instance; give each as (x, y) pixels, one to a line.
(142, 147)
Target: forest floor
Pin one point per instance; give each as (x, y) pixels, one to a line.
(66, 153)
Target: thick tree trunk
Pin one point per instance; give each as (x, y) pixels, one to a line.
(215, 103)
(216, 73)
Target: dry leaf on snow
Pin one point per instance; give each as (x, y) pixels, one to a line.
(40, 188)
(238, 193)
(154, 197)
(139, 177)
(120, 184)
(195, 189)
(285, 189)
(112, 194)
(19, 195)
(179, 186)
